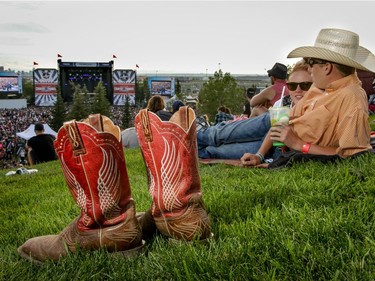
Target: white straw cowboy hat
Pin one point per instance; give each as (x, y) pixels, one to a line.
(339, 46)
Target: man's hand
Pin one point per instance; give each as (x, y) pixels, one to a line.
(249, 159)
(283, 133)
(258, 110)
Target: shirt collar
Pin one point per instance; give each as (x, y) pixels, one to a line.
(343, 82)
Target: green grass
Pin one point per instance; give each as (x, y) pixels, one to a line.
(372, 122)
(307, 222)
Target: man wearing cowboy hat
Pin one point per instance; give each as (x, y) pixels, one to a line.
(332, 118)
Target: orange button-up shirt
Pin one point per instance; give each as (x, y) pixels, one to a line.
(338, 117)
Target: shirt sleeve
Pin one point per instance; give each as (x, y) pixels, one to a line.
(30, 142)
(353, 133)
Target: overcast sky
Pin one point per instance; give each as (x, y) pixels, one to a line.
(245, 37)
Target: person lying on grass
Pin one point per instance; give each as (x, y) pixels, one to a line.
(334, 122)
(299, 82)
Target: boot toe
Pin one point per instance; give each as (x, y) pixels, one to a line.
(39, 249)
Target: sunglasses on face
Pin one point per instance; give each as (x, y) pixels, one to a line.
(312, 61)
(304, 86)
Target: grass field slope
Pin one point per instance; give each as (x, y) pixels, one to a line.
(311, 221)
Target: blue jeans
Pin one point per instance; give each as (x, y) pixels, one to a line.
(231, 140)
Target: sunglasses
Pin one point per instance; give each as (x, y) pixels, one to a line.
(304, 86)
(312, 61)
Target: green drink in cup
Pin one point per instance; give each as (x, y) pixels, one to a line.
(279, 114)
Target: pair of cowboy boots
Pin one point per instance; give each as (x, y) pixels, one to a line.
(92, 160)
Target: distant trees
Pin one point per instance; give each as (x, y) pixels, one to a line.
(28, 91)
(178, 90)
(142, 93)
(83, 104)
(80, 108)
(100, 103)
(58, 113)
(126, 117)
(221, 89)
(146, 91)
(139, 95)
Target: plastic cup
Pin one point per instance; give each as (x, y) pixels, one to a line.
(279, 114)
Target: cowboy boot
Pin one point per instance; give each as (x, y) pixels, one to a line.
(169, 149)
(93, 163)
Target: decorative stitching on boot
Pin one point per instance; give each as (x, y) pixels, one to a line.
(76, 189)
(184, 118)
(109, 177)
(146, 125)
(75, 138)
(171, 171)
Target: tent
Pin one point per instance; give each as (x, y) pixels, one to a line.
(29, 132)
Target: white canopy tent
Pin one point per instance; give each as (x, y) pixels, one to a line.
(29, 132)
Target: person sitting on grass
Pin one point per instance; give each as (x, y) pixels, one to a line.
(156, 104)
(223, 114)
(271, 94)
(40, 147)
(299, 82)
(334, 122)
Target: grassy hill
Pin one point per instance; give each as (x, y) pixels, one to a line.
(307, 222)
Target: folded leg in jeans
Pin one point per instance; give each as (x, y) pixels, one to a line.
(231, 140)
(230, 150)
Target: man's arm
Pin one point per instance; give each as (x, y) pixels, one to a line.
(284, 133)
(249, 159)
(263, 98)
(29, 155)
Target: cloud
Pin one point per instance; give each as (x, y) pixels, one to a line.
(14, 41)
(23, 27)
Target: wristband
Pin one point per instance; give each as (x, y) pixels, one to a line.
(260, 155)
(306, 148)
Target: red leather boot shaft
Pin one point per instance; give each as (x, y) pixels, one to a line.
(170, 153)
(93, 164)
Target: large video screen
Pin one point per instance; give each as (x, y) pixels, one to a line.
(85, 74)
(124, 86)
(45, 82)
(161, 86)
(9, 84)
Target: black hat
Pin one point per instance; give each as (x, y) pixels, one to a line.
(39, 127)
(251, 92)
(278, 71)
(176, 105)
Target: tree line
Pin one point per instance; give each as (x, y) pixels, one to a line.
(221, 89)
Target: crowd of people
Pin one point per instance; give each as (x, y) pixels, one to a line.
(13, 152)
(13, 121)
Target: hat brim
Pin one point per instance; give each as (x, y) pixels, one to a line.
(276, 75)
(364, 59)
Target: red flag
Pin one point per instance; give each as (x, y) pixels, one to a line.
(35, 63)
(114, 56)
(137, 66)
(59, 56)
